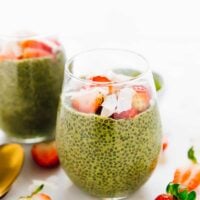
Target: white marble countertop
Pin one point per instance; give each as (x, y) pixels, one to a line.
(179, 63)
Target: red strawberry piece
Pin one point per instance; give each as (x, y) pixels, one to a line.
(88, 103)
(45, 154)
(164, 197)
(141, 98)
(35, 53)
(125, 114)
(103, 79)
(164, 144)
(41, 196)
(100, 79)
(35, 45)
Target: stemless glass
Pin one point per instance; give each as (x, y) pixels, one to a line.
(108, 127)
(31, 77)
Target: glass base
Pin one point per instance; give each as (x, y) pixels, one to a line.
(114, 198)
(28, 140)
(7, 138)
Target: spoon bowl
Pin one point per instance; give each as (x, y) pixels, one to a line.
(12, 159)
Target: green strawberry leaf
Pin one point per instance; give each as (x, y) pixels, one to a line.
(172, 189)
(37, 190)
(192, 195)
(191, 155)
(180, 193)
(183, 195)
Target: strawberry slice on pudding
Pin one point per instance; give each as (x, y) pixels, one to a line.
(125, 114)
(35, 48)
(35, 53)
(102, 79)
(141, 99)
(88, 101)
(35, 44)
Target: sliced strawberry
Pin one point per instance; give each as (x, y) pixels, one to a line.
(100, 79)
(88, 103)
(35, 53)
(165, 197)
(45, 154)
(35, 44)
(125, 114)
(141, 98)
(188, 177)
(41, 196)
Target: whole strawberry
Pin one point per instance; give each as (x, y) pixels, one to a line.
(177, 192)
(45, 154)
(164, 197)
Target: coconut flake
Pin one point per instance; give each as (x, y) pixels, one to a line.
(109, 105)
(124, 102)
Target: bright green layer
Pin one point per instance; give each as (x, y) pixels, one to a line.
(29, 94)
(107, 157)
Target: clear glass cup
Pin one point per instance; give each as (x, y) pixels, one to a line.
(108, 127)
(31, 78)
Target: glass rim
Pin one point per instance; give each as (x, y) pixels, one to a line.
(90, 82)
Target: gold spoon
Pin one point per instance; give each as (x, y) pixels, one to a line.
(11, 162)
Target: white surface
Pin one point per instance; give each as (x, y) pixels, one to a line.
(167, 33)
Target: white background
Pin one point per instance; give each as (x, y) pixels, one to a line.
(147, 26)
(166, 32)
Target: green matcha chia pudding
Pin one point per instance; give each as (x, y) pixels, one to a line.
(31, 76)
(108, 128)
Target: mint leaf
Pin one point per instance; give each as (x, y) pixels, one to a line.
(191, 155)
